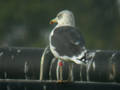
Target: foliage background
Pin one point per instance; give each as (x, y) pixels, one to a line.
(25, 23)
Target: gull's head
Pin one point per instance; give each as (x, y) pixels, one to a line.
(64, 18)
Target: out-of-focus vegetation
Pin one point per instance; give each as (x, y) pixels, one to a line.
(25, 23)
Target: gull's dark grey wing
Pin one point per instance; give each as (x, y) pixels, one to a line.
(68, 41)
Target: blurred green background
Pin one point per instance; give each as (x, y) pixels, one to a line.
(25, 23)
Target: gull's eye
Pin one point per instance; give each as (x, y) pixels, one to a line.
(59, 16)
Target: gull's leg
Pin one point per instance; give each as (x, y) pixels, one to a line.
(70, 76)
(59, 71)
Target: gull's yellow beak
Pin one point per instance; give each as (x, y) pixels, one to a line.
(53, 21)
